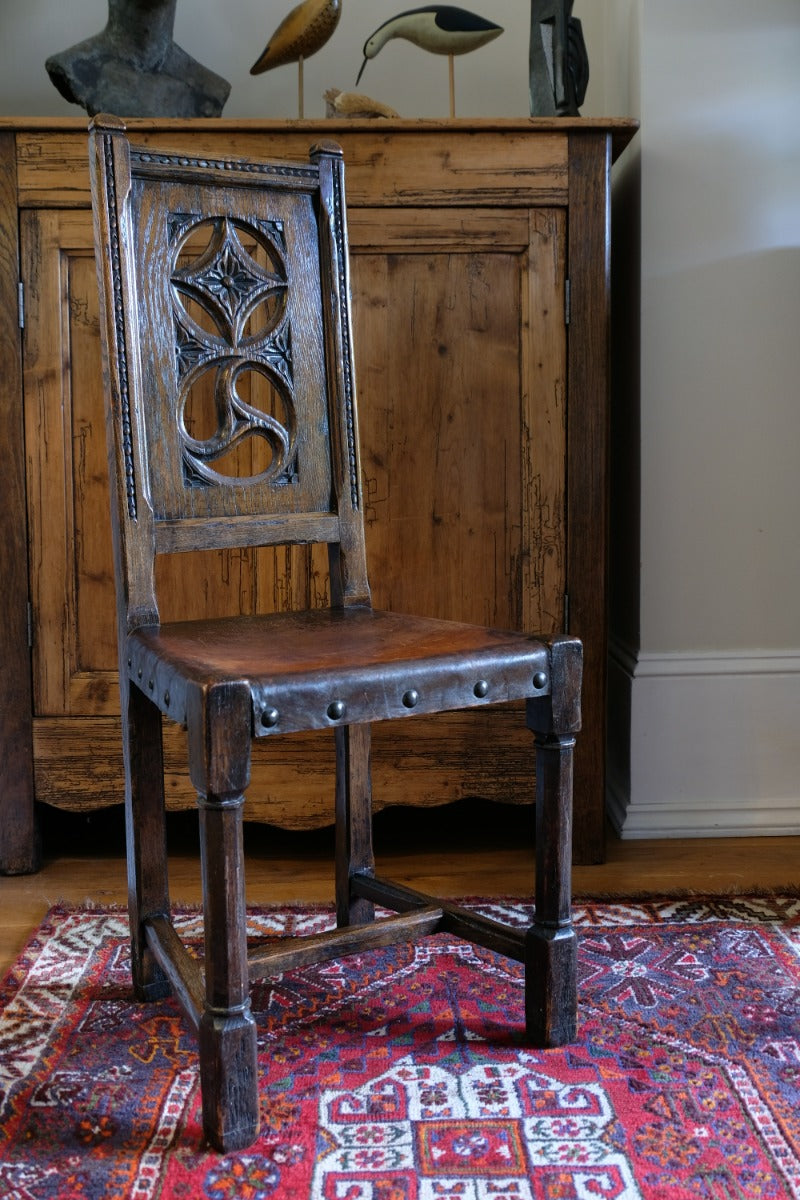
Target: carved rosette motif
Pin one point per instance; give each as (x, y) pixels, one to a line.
(229, 287)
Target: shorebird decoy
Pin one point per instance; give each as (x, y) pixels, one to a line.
(301, 33)
(438, 28)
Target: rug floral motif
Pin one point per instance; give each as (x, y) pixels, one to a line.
(401, 1074)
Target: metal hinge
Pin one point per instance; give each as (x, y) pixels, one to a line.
(30, 625)
(21, 304)
(567, 300)
(566, 612)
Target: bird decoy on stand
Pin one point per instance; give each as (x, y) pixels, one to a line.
(301, 33)
(438, 28)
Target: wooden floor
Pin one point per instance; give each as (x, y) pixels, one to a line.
(458, 851)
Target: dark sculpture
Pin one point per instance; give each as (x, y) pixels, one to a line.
(134, 68)
(559, 64)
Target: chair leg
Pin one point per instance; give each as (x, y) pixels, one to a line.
(551, 954)
(228, 1055)
(353, 821)
(219, 763)
(146, 838)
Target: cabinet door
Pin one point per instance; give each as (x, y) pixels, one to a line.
(460, 349)
(460, 358)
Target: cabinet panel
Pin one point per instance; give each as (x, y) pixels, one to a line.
(463, 428)
(405, 163)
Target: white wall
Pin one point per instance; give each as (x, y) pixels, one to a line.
(709, 666)
(705, 679)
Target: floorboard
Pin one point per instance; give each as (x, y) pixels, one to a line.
(460, 851)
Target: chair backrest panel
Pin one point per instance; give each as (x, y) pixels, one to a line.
(232, 392)
(226, 331)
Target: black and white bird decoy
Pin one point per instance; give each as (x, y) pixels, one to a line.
(438, 28)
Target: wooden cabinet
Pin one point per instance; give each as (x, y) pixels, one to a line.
(480, 283)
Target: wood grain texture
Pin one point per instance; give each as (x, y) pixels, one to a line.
(18, 849)
(587, 463)
(422, 763)
(501, 518)
(53, 169)
(411, 163)
(86, 866)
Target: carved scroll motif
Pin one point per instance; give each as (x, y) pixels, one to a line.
(229, 287)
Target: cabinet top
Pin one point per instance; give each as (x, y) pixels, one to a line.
(500, 163)
(620, 129)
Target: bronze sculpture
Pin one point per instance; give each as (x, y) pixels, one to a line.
(559, 64)
(134, 68)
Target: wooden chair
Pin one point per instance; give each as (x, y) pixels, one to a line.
(222, 269)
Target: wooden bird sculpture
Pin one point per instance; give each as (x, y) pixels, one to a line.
(301, 33)
(438, 28)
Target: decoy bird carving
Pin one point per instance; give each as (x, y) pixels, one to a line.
(438, 28)
(300, 34)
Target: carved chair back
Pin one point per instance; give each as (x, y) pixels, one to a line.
(233, 396)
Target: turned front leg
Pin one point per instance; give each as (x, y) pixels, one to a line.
(228, 1057)
(353, 821)
(219, 764)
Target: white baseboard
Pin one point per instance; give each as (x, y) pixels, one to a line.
(704, 745)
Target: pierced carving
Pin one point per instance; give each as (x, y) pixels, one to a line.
(229, 287)
(227, 282)
(189, 350)
(237, 421)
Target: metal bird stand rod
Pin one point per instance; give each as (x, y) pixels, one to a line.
(300, 102)
(451, 58)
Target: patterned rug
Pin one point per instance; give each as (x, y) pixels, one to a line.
(401, 1074)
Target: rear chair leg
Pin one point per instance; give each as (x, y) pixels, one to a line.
(353, 821)
(146, 837)
(219, 764)
(551, 960)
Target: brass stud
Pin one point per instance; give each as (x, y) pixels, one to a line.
(481, 689)
(411, 698)
(539, 680)
(269, 718)
(336, 710)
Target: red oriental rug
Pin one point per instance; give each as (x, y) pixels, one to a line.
(401, 1074)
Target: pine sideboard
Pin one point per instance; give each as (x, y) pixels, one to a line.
(480, 275)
